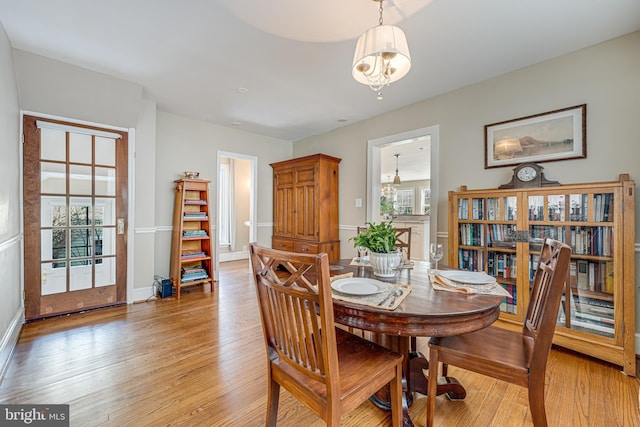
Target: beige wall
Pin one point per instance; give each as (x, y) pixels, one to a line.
(184, 144)
(606, 77)
(54, 87)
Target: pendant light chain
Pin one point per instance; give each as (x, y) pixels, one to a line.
(380, 19)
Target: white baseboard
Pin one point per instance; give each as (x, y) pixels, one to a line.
(9, 340)
(234, 256)
(141, 295)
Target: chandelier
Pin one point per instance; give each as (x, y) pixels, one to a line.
(381, 56)
(389, 191)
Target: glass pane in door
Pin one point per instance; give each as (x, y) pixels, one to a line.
(510, 206)
(54, 278)
(53, 178)
(105, 241)
(105, 271)
(80, 148)
(105, 211)
(53, 145)
(105, 151)
(105, 181)
(80, 275)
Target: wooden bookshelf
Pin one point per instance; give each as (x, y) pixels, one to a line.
(500, 232)
(191, 261)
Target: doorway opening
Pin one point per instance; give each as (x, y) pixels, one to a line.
(236, 207)
(414, 155)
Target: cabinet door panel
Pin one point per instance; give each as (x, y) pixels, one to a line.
(306, 218)
(284, 204)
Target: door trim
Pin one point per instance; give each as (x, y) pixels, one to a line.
(374, 185)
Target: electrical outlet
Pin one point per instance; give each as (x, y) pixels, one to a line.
(358, 203)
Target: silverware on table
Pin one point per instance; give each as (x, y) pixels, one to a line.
(395, 296)
(390, 299)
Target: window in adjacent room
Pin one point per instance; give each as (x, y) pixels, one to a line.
(404, 202)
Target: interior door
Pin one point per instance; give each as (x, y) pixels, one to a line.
(75, 210)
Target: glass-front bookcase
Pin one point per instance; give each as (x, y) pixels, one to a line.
(501, 232)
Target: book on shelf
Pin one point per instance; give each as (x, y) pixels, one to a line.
(463, 209)
(583, 274)
(194, 233)
(509, 304)
(196, 254)
(477, 208)
(579, 300)
(193, 273)
(608, 277)
(592, 325)
(603, 207)
(195, 214)
(591, 240)
(573, 274)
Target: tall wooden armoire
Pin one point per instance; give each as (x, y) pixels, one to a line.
(305, 205)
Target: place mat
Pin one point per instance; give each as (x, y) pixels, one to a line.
(388, 299)
(443, 284)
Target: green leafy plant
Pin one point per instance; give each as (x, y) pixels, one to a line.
(379, 238)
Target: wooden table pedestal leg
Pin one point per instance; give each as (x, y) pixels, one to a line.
(449, 385)
(382, 399)
(413, 377)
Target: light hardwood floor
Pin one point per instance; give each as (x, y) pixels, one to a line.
(200, 361)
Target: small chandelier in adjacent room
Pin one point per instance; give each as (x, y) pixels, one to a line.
(381, 56)
(389, 191)
(396, 180)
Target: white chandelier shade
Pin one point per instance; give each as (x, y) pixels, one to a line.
(381, 57)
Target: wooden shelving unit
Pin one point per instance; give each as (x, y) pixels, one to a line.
(191, 262)
(500, 231)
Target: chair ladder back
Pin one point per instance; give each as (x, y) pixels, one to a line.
(403, 236)
(292, 307)
(548, 285)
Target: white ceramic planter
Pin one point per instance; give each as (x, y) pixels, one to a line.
(384, 264)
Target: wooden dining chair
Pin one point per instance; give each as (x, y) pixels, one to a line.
(326, 368)
(404, 240)
(516, 357)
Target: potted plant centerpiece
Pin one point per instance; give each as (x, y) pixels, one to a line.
(380, 240)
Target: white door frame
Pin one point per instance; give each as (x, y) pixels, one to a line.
(253, 202)
(374, 148)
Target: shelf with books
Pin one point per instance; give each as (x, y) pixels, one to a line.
(191, 247)
(500, 231)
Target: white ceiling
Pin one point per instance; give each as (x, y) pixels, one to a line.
(294, 57)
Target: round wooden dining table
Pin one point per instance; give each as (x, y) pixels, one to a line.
(424, 312)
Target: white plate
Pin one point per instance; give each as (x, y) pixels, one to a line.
(358, 286)
(469, 277)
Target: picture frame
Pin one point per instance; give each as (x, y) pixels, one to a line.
(554, 135)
